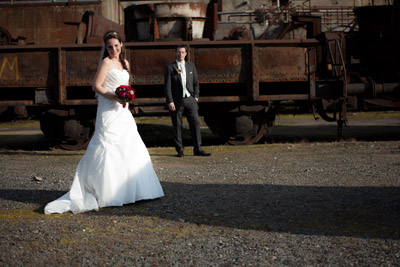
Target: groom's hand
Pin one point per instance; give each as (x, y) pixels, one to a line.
(171, 106)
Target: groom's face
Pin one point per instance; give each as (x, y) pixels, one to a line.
(180, 54)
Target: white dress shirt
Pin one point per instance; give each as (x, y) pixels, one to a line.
(182, 68)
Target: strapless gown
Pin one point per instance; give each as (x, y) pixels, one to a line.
(116, 168)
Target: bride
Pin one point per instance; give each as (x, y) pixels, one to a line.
(116, 168)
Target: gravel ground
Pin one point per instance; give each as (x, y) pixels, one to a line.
(334, 203)
(303, 203)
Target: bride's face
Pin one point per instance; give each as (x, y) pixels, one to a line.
(114, 48)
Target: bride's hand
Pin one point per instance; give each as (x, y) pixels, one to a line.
(119, 100)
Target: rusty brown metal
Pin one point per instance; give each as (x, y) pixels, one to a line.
(282, 64)
(241, 76)
(240, 33)
(97, 26)
(253, 89)
(16, 103)
(55, 68)
(148, 63)
(221, 64)
(19, 68)
(166, 21)
(211, 26)
(312, 69)
(63, 68)
(61, 77)
(150, 101)
(282, 97)
(313, 24)
(53, 24)
(81, 102)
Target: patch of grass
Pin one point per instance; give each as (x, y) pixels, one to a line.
(296, 116)
(20, 124)
(18, 214)
(153, 120)
(375, 115)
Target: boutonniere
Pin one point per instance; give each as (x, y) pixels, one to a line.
(179, 71)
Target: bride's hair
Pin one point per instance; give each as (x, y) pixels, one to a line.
(110, 35)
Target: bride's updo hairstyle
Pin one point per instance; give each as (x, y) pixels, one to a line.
(110, 35)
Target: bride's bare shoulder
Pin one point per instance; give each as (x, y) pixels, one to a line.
(106, 61)
(106, 65)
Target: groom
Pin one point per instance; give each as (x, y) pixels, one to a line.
(181, 88)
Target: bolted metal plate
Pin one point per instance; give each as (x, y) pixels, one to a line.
(282, 64)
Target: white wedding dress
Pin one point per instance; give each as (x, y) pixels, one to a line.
(116, 168)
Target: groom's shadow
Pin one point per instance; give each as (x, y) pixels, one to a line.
(368, 212)
(349, 211)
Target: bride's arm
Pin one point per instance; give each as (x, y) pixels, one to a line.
(129, 71)
(98, 82)
(127, 65)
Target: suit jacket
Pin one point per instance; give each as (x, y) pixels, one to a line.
(173, 88)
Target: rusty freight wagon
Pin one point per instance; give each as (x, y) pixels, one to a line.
(244, 80)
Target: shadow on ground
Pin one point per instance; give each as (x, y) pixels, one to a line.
(368, 212)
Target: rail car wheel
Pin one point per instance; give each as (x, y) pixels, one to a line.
(241, 128)
(77, 134)
(66, 134)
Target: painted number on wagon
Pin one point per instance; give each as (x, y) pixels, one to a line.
(12, 66)
(234, 60)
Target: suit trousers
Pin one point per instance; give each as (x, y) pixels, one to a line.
(189, 108)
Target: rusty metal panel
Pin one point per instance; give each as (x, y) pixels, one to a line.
(221, 64)
(82, 102)
(19, 68)
(147, 64)
(62, 89)
(97, 26)
(283, 97)
(166, 21)
(312, 68)
(16, 103)
(282, 64)
(81, 66)
(253, 87)
(45, 24)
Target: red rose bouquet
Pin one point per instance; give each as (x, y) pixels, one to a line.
(126, 93)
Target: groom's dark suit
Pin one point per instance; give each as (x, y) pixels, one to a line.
(187, 106)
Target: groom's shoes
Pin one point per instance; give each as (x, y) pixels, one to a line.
(180, 154)
(201, 153)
